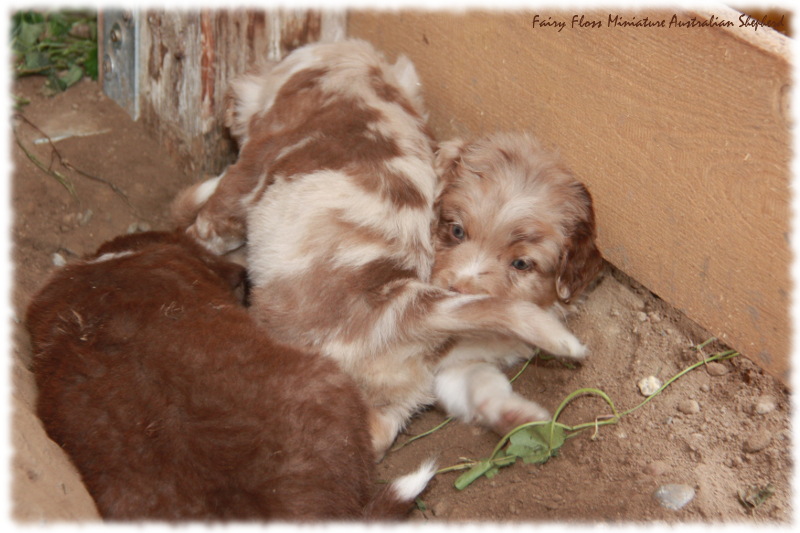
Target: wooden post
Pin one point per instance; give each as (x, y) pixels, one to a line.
(186, 60)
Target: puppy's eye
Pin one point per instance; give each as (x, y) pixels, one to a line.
(458, 232)
(522, 264)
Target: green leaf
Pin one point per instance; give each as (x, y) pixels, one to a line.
(488, 468)
(420, 504)
(536, 444)
(58, 25)
(91, 63)
(519, 450)
(34, 60)
(72, 76)
(532, 444)
(43, 44)
(529, 437)
(491, 472)
(466, 479)
(28, 35)
(53, 85)
(30, 17)
(504, 460)
(20, 102)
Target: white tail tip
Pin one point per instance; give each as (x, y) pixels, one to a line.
(408, 487)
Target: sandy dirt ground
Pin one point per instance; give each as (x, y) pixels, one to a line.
(722, 431)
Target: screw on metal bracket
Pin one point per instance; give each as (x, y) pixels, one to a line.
(116, 34)
(120, 68)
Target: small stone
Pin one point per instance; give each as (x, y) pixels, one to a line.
(136, 227)
(689, 407)
(637, 303)
(58, 260)
(695, 442)
(641, 316)
(85, 217)
(649, 385)
(705, 387)
(674, 496)
(656, 468)
(757, 441)
(614, 312)
(716, 369)
(654, 317)
(765, 404)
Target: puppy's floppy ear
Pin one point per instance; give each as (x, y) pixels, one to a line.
(448, 155)
(243, 99)
(580, 260)
(406, 74)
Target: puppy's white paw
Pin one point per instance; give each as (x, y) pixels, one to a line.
(564, 343)
(548, 333)
(574, 348)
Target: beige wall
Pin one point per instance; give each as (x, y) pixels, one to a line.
(682, 135)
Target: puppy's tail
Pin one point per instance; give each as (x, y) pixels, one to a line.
(189, 201)
(394, 501)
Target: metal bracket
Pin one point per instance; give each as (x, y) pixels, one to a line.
(120, 35)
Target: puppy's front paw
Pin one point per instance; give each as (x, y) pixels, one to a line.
(563, 343)
(548, 333)
(573, 348)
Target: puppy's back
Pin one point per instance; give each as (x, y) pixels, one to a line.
(173, 406)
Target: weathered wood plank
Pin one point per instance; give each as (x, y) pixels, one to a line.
(682, 134)
(187, 59)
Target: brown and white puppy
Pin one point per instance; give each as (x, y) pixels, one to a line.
(174, 405)
(513, 223)
(334, 191)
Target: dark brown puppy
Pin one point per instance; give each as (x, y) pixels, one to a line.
(175, 406)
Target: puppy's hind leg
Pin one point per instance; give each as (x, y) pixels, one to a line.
(383, 427)
(214, 212)
(477, 391)
(188, 203)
